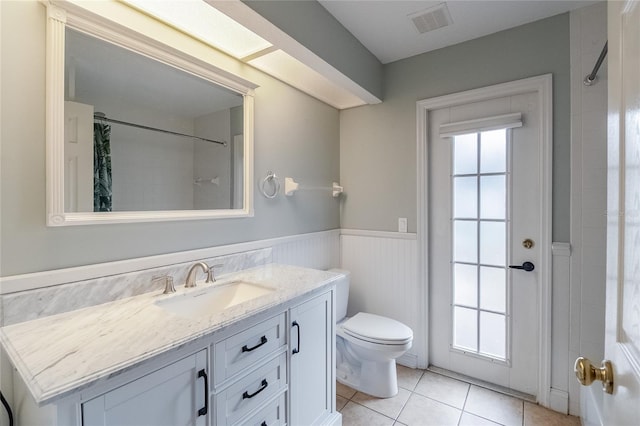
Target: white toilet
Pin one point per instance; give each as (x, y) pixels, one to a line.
(367, 346)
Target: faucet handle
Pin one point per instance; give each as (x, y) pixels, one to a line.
(168, 283)
(210, 277)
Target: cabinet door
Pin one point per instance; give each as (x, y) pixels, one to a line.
(171, 396)
(311, 352)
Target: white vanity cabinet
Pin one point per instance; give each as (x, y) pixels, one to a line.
(173, 395)
(276, 367)
(312, 365)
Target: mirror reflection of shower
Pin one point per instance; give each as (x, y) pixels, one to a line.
(143, 136)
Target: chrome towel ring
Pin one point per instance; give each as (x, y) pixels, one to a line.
(270, 180)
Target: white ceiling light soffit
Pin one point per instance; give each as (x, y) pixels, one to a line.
(205, 23)
(288, 60)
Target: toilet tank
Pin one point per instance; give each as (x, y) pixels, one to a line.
(342, 293)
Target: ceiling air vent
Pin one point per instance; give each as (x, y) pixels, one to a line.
(432, 18)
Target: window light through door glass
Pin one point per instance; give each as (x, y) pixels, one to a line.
(480, 234)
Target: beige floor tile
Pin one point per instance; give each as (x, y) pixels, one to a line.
(344, 391)
(469, 419)
(390, 407)
(535, 415)
(443, 389)
(408, 377)
(423, 411)
(494, 406)
(357, 415)
(340, 402)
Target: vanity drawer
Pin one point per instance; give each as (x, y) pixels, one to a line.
(251, 391)
(239, 352)
(272, 414)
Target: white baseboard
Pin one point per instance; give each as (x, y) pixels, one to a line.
(408, 360)
(559, 401)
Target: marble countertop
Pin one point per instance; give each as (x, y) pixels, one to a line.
(61, 354)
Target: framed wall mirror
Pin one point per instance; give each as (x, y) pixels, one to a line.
(139, 132)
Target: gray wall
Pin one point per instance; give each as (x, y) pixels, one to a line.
(315, 28)
(295, 135)
(236, 121)
(378, 142)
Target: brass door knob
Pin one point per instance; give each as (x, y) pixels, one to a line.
(587, 373)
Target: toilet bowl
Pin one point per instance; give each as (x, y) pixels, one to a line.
(367, 346)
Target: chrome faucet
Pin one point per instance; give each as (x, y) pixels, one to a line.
(191, 275)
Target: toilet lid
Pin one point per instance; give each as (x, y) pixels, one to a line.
(377, 329)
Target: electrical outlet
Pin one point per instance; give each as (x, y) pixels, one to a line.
(402, 224)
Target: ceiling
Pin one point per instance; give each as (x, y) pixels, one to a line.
(384, 28)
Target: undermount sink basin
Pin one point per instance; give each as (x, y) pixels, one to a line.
(213, 299)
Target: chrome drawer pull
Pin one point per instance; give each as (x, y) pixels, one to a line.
(263, 386)
(263, 340)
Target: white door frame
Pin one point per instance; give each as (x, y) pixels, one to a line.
(542, 87)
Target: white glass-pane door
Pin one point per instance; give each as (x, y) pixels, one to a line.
(487, 197)
(480, 234)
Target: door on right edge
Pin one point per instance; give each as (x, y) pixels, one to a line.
(622, 330)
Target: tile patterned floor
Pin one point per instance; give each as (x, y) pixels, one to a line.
(425, 398)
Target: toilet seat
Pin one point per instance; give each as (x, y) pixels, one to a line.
(377, 329)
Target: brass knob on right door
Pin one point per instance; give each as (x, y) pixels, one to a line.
(586, 373)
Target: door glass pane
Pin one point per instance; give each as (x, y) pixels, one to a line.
(493, 334)
(493, 151)
(479, 221)
(465, 241)
(465, 285)
(465, 155)
(493, 286)
(465, 204)
(492, 243)
(493, 197)
(465, 328)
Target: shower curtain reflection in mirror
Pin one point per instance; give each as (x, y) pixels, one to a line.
(102, 201)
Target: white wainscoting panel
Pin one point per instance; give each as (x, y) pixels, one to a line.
(319, 250)
(383, 269)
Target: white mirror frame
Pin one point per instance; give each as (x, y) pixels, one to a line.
(57, 20)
